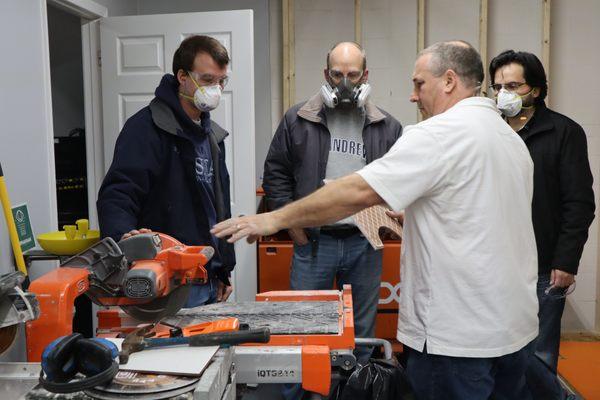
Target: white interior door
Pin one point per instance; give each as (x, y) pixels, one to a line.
(136, 51)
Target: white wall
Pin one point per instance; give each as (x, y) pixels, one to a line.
(575, 91)
(389, 38)
(26, 151)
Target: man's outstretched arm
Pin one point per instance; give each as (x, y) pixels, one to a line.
(333, 202)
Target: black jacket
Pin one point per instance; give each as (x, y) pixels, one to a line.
(563, 198)
(152, 183)
(297, 159)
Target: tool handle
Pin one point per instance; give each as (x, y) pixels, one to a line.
(261, 335)
(10, 223)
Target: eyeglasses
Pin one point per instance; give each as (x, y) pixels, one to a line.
(339, 75)
(510, 86)
(210, 80)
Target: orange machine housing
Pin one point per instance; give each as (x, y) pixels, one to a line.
(275, 258)
(57, 290)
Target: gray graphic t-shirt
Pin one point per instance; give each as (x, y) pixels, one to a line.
(347, 153)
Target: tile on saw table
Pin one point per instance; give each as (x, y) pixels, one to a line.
(311, 317)
(173, 360)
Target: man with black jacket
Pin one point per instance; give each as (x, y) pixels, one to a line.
(563, 199)
(168, 172)
(334, 133)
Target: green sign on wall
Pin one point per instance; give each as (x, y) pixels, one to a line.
(24, 231)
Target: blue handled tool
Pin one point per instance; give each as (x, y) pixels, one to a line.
(138, 340)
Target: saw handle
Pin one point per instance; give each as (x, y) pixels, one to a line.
(261, 335)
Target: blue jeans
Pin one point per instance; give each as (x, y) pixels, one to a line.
(202, 294)
(434, 377)
(541, 374)
(347, 261)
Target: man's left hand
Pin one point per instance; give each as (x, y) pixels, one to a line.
(250, 226)
(560, 278)
(223, 292)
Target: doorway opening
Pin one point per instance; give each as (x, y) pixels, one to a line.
(68, 114)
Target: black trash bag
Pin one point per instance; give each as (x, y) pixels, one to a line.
(377, 380)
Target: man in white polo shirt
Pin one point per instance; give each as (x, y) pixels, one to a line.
(468, 307)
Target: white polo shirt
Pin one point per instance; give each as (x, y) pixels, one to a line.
(469, 260)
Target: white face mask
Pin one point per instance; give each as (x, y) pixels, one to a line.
(510, 103)
(206, 98)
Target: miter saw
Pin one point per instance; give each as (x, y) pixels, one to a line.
(16, 307)
(149, 276)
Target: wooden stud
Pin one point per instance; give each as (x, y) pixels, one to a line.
(286, 54)
(483, 41)
(292, 51)
(547, 5)
(289, 60)
(420, 25)
(357, 21)
(420, 36)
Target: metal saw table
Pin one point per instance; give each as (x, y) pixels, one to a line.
(312, 335)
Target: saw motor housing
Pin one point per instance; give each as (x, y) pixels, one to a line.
(147, 275)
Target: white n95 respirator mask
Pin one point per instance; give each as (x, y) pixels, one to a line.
(510, 103)
(206, 98)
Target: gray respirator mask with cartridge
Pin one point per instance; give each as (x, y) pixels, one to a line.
(345, 94)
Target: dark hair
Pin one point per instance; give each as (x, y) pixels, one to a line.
(358, 46)
(188, 50)
(533, 70)
(458, 56)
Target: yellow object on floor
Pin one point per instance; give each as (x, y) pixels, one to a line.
(579, 364)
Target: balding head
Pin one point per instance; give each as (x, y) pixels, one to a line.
(346, 59)
(345, 53)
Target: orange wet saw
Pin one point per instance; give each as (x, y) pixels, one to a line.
(149, 276)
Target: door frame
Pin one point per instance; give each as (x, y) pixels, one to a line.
(92, 95)
(87, 11)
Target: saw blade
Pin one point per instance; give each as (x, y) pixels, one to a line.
(7, 337)
(161, 307)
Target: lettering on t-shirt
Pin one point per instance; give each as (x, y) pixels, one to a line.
(348, 146)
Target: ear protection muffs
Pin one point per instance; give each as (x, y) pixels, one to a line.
(69, 355)
(331, 100)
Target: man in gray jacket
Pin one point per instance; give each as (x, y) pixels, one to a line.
(335, 133)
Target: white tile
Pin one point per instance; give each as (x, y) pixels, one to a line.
(585, 268)
(314, 5)
(579, 316)
(275, 5)
(323, 25)
(368, 5)
(311, 53)
(308, 82)
(464, 15)
(586, 288)
(375, 23)
(378, 51)
(589, 257)
(591, 130)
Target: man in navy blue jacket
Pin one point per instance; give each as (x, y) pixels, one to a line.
(168, 172)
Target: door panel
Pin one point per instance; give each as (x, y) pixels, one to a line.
(136, 51)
